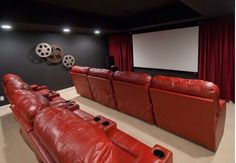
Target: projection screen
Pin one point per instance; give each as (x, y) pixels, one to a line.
(175, 49)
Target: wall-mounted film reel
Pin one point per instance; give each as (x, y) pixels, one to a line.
(43, 50)
(56, 55)
(68, 61)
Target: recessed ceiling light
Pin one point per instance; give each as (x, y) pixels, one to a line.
(97, 31)
(6, 26)
(66, 30)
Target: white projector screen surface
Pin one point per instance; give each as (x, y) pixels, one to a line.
(175, 49)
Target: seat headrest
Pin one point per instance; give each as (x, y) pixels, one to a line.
(28, 103)
(15, 84)
(133, 77)
(80, 69)
(186, 86)
(103, 73)
(9, 77)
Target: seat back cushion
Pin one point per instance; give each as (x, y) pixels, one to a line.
(80, 69)
(192, 87)
(101, 86)
(68, 138)
(189, 116)
(132, 94)
(28, 103)
(79, 78)
(186, 107)
(15, 84)
(9, 77)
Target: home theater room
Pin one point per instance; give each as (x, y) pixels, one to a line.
(117, 81)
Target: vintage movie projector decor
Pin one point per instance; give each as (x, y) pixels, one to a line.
(68, 61)
(43, 50)
(54, 54)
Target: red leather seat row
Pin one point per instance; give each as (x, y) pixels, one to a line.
(57, 131)
(189, 108)
(124, 91)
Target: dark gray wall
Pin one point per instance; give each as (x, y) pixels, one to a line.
(17, 56)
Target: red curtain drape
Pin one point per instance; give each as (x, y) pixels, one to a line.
(120, 46)
(216, 55)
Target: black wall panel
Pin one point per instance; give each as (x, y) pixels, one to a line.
(17, 56)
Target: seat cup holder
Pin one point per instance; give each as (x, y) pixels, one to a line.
(106, 123)
(158, 153)
(96, 118)
(71, 104)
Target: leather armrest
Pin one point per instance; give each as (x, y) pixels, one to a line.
(157, 154)
(36, 87)
(222, 104)
(51, 94)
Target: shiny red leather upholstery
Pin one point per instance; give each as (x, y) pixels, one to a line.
(128, 148)
(132, 94)
(64, 133)
(133, 77)
(12, 83)
(86, 137)
(24, 124)
(10, 77)
(41, 89)
(172, 99)
(80, 80)
(100, 81)
(137, 151)
(37, 147)
(73, 139)
(28, 104)
(193, 87)
(189, 108)
(12, 86)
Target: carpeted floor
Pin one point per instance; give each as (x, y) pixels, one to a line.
(14, 150)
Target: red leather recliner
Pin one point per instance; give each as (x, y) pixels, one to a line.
(189, 108)
(80, 80)
(100, 81)
(132, 94)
